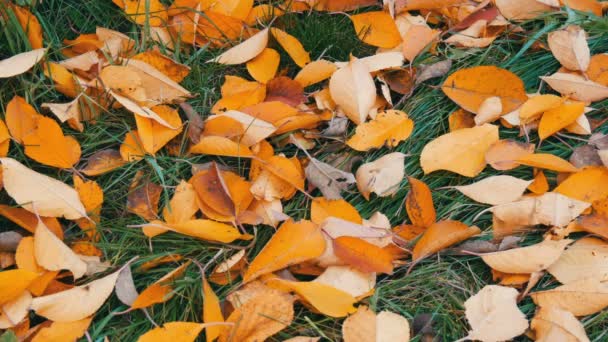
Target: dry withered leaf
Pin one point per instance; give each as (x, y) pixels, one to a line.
(365, 325)
(581, 298)
(569, 46)
(40, 194)
(525, 260)
(493, 314)
(388, 128)
(576, 87)
(286, 90)
(585, 155)
(419, 204)
(352, 88)
(462, 151)
(382, 176)
(551, 324)
(433, 70)
(293, 243)
(330, 180)
(441, 235)
(20, 63)
(103, 161)
(143, 197)
(495, 190)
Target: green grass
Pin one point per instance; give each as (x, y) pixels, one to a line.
(437, 286)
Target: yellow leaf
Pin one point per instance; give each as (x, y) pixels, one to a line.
(546, 161)
(352, 88)
(293, 243)
(376, 28)
(212, 311)
(315, 72)
(21, 118)
(292, 46)
(54, 255)
(13, 283)
(462, 151)
(152, 134)
(48, 145)
(587, 185)
(220, 146)
(175, 71)
(173, 331)
(390, 128)
(30, 25)
(149, 12)
(558, 118)
(264, 66)
(63, 331)
(535, 106)
(161, 291)
(322, 208)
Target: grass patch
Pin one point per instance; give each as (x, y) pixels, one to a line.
(437, 286)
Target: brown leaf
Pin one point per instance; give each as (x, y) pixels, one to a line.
(419, 204)
(143, 197)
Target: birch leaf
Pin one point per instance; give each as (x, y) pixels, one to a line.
(528, 259)
(495, 190)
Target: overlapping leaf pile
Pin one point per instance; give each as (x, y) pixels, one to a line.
(330, 262)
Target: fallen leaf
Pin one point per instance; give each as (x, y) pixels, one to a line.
(30, 25)
(322, 208)
(52, 254)
(382, 176)
(376, 28)
(558, 118)
(551, 209)
(581, 298)
(539, 185)
(419, 204)
(103, 161)
(535, 106)
(363, 255)
(14, 311)
(173, 331)
(40, 194)
(203, 229)
(353, 89)
(220, 146)
(502, 155)
(569, 46)
(254, 129)
(470, 87)
(433, 70)
(286, 90)
(528, 259)
(495, 190)
(125, 286)
(546, 161)
(264, 66)
(244, 51)
(212, 311)
(493, 314)
(576, 87)
(67, 112)
(586, 185)
(161, 291)
(76, 303)
(9, 241)
(523, 9)
(260, 317)
(348, 279)
(551, 324)
(20, 63)
(586, 258)
(292, 46)
(460, 119)
(13, 283)
(389, 127)
(327, 299)
(175, 71)
(152, 13)
(330, 180)
(441, 235)
(365, 325)
(585, 155)
(416, 39)
(293, 243)
(315, 72)
(48, 145)
(462, 151)
(152, 134)
(21, 118)
(143, 197)
(63, 331)
(339, 5)
(489, 111)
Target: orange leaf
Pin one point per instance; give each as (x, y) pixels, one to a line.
(223, 126)
(30, 25)
(21, 118)
(263, 13)
(292, 46)
(272, 112)
(294, 242)
(594, 224)
(203, 229)
(160, 291)
(363, 255)
(13, 283)
(416, 39)
(48, 145)
(29, 221)
(546, 161)
(588, 185)
(63, 331)
(175, 71)
(560, 117)
(442, 235)
(212, 312)
(173, 331)
(502, 155)
(302, 121)
(103, 161)
(280, 178)
(91, 196)
(390, 127)
(340, 5)
(143, 197)
(221, 146)
(597, 70)
(470, 87)
(535, 106)
(152, 134)
(131, 149)
(238, 93)
(65, 81)
(460, 119)
(150, 12)
(540, 185)
(592, 6)
(376, 28)
(322, 208)
(285, 90)
(315, 72)
(419, 204)
(264, 66)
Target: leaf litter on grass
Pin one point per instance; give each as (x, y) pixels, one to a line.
(341, 247)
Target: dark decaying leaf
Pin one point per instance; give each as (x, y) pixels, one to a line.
(433, 70)
(9, 241)
(143, 197)
(286, 90)
(328, 179)
(195, 122)
(585, 155)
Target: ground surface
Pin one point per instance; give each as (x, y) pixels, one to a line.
(438, 286)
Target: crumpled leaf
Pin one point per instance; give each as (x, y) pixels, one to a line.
(382, 176)
(245, 51)
(528, 259)
(495, 190)
(352, 88)
(40, 194)
(441, 235)
(20, 63)
(553, 324)
(293, 243)
(569, 46)
(387, 128)
(143, 197)
(493, 314)
(76, 303)
(365, 325)
(581, 298)
(462, 151)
